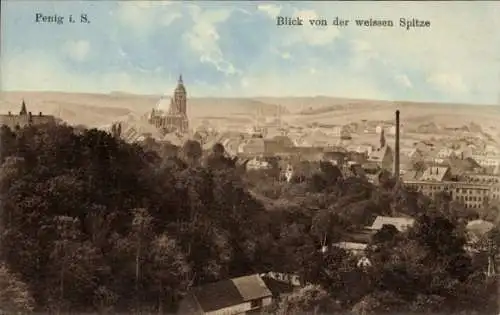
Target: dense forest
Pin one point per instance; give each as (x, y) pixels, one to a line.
(90, 223)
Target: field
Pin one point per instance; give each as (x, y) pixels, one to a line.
(95, 110)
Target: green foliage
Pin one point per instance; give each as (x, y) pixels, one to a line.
(90, 223)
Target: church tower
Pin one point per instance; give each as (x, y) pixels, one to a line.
(23, 111)
(175, 119)
(180, 97)
(382, 138)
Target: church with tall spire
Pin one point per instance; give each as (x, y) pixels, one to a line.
(25, 118)
(172, 118)
(383, 156)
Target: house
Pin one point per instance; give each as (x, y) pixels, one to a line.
(232, 296)
(291, 279)
(279, 289)
(355, 248)
(356, 243)
(358, 250)
(401, 224)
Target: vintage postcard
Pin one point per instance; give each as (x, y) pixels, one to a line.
(249, 157)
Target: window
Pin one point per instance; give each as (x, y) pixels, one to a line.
(256, 303)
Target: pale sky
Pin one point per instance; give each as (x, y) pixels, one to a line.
(235, 49)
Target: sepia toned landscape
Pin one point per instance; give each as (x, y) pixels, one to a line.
(95, 110)
(193, 158)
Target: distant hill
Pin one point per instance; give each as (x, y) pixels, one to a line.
(101, 109)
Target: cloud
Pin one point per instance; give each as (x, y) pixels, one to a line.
(282, 53)
(203, 37)
(286, 55)
(144, 17)
(448, 82)
(38, 71)
(308, 34)
(450, 61)
(170, 18)
(77, 50)
(363, 54)
(403, 80)
(271, 10)
(136, 16)
(307, 81)
(451, 56)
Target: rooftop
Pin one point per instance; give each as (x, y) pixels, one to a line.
(435, 173)
(229, 292)
(401, 224)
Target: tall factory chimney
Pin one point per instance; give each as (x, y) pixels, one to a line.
(396, 148)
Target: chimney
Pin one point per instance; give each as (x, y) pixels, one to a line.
(396, 148)
(39, 113)
(10, 113)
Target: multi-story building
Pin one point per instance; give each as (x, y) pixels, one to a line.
(175, 119)
(473, 194)
(486, 160)
(25, 118)
(479, 178)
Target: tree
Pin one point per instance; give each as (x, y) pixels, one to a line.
(191, 152)
(141, 226)
(379, 303)
(311, 299)
(76, 264)
(387, 233)
(168, 271)
(14, 294)
(327, 227)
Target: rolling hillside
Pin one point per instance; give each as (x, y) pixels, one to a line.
(96, 110)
